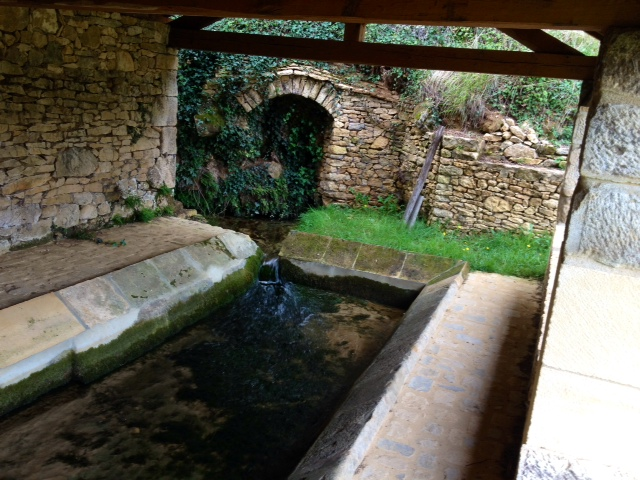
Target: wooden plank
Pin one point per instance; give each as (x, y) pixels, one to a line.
(435, 58)
(540, 41)
(193, 23)
(588, 15)
(414, 201)
(354, 32)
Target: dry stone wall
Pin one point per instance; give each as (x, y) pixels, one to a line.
(470, 191)
(361, 152)
(88, 105)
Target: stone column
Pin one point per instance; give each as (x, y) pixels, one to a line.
(585, 411)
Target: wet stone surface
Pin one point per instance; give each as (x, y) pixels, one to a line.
(241, 395)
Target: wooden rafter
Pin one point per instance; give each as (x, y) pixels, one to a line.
(588, 15)
(540, 42)
(436, 58)
(354, 32)
(193, 23)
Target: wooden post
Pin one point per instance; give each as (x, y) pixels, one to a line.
(422, 178)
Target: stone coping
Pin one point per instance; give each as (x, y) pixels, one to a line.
(376, 273)
(104, 322)
(341, 446)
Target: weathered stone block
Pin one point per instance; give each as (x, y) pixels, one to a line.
(520, 151)
(610, 218)
(612, 146)
(76, 162)
(496, 204)
(164, 112)
(619, 72)
(68, 215)
(13, 19)
(163, 172)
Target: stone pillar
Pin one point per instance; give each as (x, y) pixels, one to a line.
(585, 411)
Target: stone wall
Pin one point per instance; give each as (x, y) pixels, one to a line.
(469, 190)
(361, 152)
(88, 106)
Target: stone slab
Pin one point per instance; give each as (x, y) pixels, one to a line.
(586, 418)
(95, 301)
(141, 283)
(304, 246)
(341, 253)
(380, 260)
(177, 268)
(34, 326)
(593, 329)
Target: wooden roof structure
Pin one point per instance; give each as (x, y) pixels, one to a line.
(522, 20)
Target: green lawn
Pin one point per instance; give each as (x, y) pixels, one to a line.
(507, 253)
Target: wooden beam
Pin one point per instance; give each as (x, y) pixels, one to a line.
(436, 58)
(540, 42)
(588, 15)
(193, 23)
(354, 32)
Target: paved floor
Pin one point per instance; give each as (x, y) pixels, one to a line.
(29, 273)
(462, 409)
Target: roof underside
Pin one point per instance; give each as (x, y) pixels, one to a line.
(522, 20)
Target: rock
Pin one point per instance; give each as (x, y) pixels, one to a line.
(520, 151)
(532, 137)
(5, 245)
(507, 135)
(164, 112)
(516, 140)
(83, 198)
(527, 161)
(337, 150)
(217, 169)
(491, 122)
(18, 215)
(497, 204)
(545, 149)
(68, 215)
(517, 131)
(380, 143)
(562, 150)
(14, 19)
(76, 162)
(88, 212)
(510, 122)
(25, 183)
(451, 142)
(163, 172)
(492, 137)
(275, 169)
(549, 164)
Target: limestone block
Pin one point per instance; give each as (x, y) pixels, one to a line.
(167, 62)
(163, 172)
(95, 301)
(620, 72)
(76, 162)
(170, 83)
(545, 149)
(239, 245)
(45, 20)
(607, 226)
(469, 144)
(380, 143)
(29, 232)
(336, 150)
(593, 330)
(450, 170)
(13, 19)
(583, 417)
(25, 183)
(612, 146)
(169, 141)
(497, 204)
(18, 215)
(517, 132)
(164, 112)
(83, 198)
(520, 151)
(68, 215)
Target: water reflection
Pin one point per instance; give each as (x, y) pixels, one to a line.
(241, 395)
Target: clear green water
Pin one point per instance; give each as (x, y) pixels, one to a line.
(241, 395)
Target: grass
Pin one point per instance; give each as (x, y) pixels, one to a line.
(517, 254)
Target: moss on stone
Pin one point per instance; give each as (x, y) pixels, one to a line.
(36, 384)
(143, 336)
(304, 246)
(32, 243)
(380, 260)
(353, 285)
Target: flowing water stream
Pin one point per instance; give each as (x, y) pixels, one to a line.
(240, 395)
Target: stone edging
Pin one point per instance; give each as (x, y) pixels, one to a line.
(89, 329)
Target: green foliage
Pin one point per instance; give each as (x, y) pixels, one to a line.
(133, 202)
(521, 254)
(163, 191)
(389, 205)
(166, 211)
(118, 220)
(145, 215)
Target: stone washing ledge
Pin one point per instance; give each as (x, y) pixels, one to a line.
(379, 274)
(89, 329)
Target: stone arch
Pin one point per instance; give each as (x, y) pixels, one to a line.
(295, 82)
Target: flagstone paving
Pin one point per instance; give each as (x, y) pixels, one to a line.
(461, 411)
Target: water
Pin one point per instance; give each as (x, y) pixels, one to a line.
(241, 395)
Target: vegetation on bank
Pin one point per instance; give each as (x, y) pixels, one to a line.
(227, 172)
(520, 254)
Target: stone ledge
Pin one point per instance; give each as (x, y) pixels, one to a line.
(87, 330)
(341, 447)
